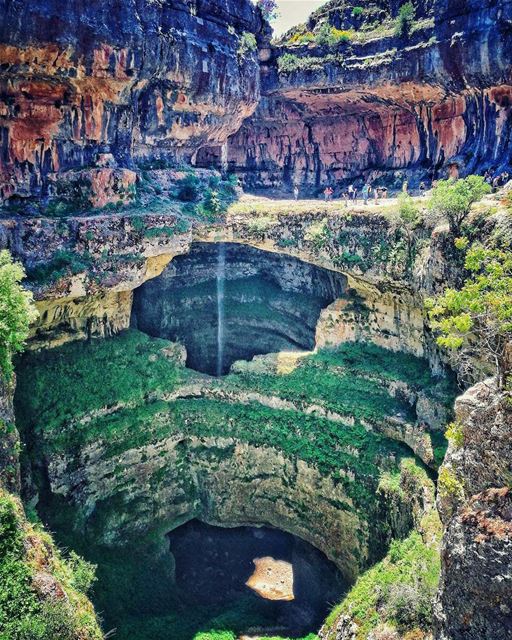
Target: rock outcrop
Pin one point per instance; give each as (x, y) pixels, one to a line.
(476, 590)
(269, 303)
(475, 504)
(9, 439)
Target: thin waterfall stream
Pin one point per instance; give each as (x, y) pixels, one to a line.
(221, 279)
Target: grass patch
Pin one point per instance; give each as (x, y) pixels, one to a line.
(25, 553)
(399, 590)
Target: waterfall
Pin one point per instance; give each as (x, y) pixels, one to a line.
(221, 279)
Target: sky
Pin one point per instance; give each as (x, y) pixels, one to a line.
(294, 12)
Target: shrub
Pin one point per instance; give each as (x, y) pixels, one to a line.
(407, 209)
(188, 188)
(72, 196)
(65, 262)
(357, 12)
(212, 203)
(452, 199)
(455, 434)
(405, 20)
(84, 573)
(288, 62)
(410, 605)
(301, 38)
(247, 44)
(138, 223)
(329, 36)
(16, 312)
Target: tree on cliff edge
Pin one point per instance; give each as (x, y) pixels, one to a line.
(452, 199)
(479, 315)
(16, 312)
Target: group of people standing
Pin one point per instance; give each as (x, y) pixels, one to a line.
(368, 191)
(377, 193)
(366, 194)
(496, 181)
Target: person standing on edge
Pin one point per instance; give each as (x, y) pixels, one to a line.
(366, 193)
(376, 193)
(296, 192)
(423, 189)
(350, 192)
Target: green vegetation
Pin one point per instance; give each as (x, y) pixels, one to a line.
(16, 312)
(455, 434)
(452, 200)
(29, 610)
(57, 388)
(138, 596)
(62, 384)
(479, 314)
(189, 188)
(72, 196)
(398, 591)
(289, 62)
(64, 262)
(329, 36)
(247, 44)
(115, 392)
(405, 20)
(351, 380)
(448, 485)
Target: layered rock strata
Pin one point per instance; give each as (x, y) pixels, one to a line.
(139, 81)
(384, 106)
(475, 505)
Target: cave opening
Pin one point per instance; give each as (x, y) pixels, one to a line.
(274, 582)
(226, 302)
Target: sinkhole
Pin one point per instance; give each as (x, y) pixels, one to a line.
(226, 302)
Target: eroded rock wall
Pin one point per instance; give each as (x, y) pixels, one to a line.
(9, 438)
(138, 80)
(475, 505)
(385, 106)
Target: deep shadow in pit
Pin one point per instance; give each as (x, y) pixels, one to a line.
(274, 577)
(228, 302)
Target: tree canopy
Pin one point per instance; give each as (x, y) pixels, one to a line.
(480, 313)
(16, 312)
(452, 199)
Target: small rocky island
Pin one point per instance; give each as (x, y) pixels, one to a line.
(255, 321)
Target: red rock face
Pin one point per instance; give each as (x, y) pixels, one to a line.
(101, 186)
(386, 106)
(151, 83)
(310, 144)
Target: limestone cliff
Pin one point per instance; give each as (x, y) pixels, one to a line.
(138, 80)
(377, 104)
(474, 502)
(9, 439)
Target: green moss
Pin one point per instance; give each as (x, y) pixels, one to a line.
(113, 392)
(59, 386)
